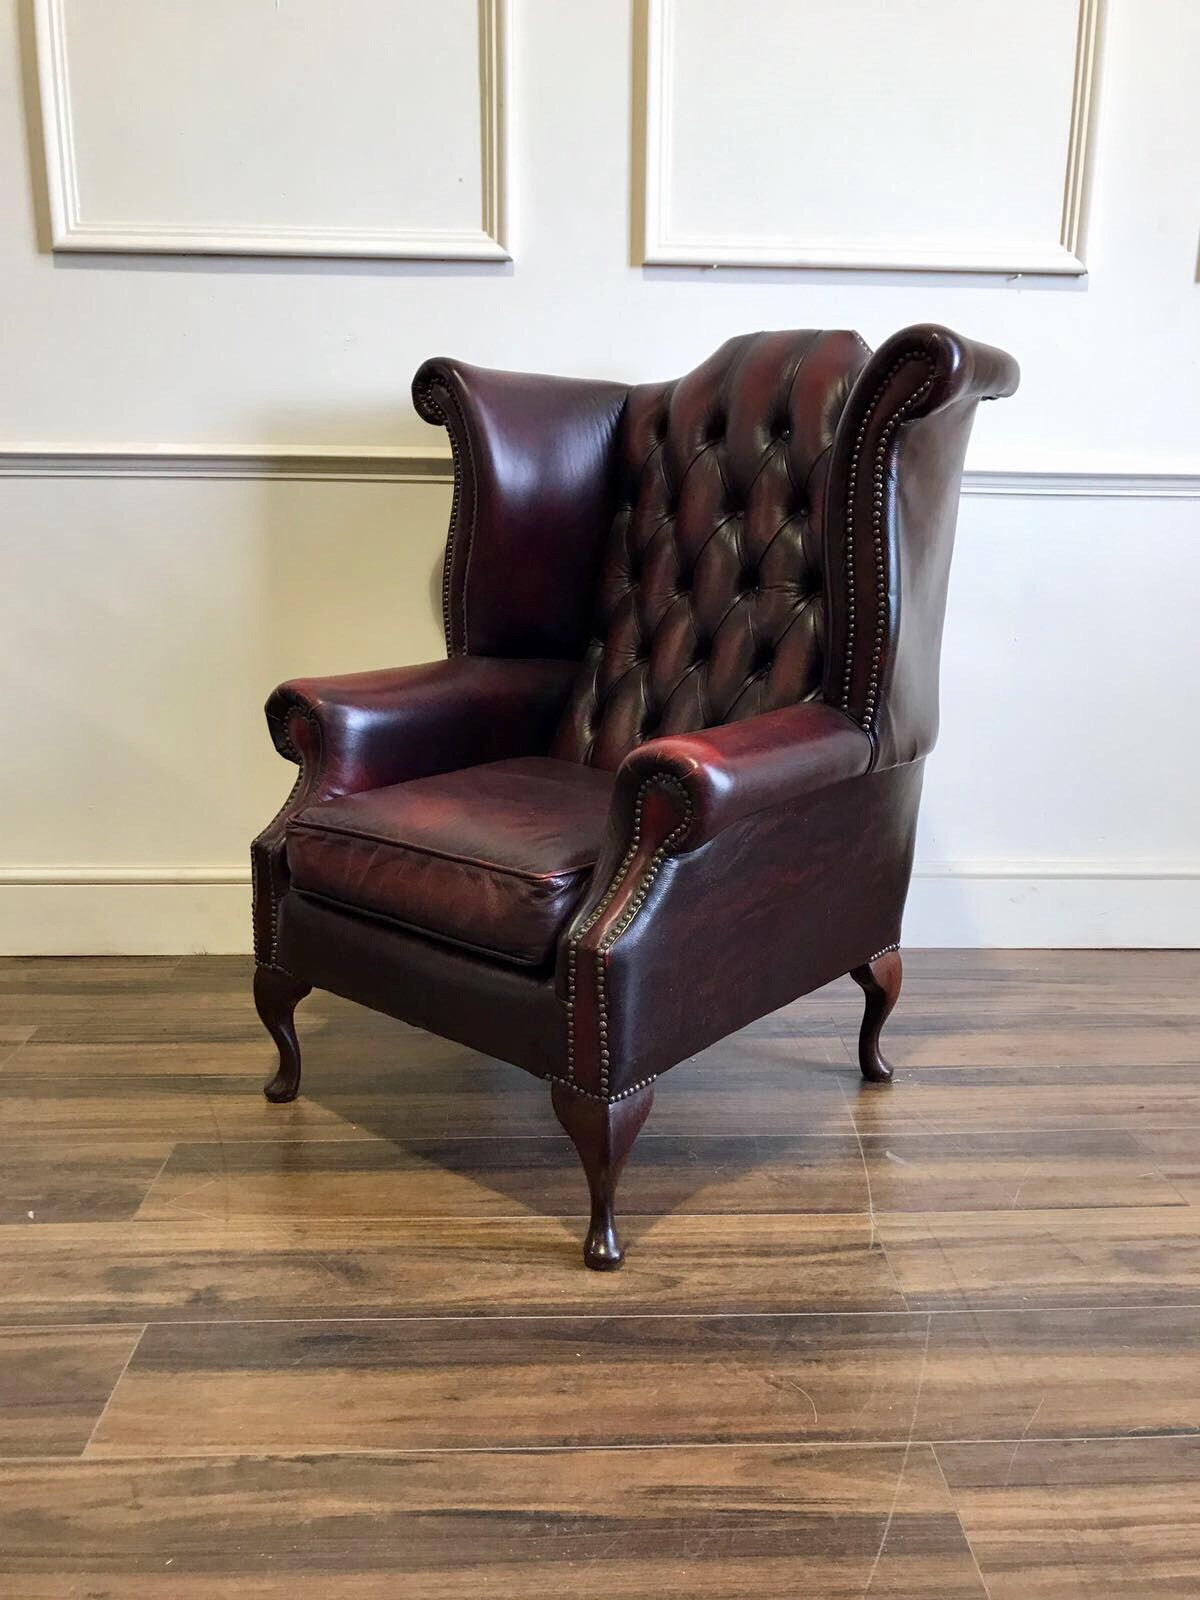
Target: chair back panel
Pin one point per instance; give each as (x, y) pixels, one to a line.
(712, 594)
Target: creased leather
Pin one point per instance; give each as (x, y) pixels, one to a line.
(491, 857)
(364, 730)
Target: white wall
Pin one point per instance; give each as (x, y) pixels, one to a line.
(150, 605)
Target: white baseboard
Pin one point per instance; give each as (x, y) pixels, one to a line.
(1054, 905)
(145, 916)
(1083, 904)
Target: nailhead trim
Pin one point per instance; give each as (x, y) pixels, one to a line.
(885, 440)
(292, 754)
(662, 781)
(611, 1099)
(438, 413)
(887, 950)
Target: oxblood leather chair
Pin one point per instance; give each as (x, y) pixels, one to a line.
(667, 780)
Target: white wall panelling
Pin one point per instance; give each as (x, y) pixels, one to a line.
(939, 137)
(211, 477)
(231, 126)
(189, 596)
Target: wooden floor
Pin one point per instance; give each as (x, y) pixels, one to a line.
(935, 1340)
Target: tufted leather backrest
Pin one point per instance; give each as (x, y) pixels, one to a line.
(712, 595)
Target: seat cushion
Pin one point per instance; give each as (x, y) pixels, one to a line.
(493, 857)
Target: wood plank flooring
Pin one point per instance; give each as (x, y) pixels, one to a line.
(931, 1341)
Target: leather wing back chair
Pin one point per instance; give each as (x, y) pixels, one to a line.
(667, 779)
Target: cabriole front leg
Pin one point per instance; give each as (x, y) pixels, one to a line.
(603, 1134)
(276, 996)
(879, 980)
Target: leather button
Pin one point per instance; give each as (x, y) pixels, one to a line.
(785, 432)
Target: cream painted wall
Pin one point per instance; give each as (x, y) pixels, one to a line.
(146, 617)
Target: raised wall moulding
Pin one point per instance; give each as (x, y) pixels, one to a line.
(242, 127)
(967, 152)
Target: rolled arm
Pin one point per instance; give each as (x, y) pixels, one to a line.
(724, 774)
(679, 792)
(366, 730)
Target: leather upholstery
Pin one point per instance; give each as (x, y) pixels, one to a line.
(367, 729)
(718, 604)
(535, 486)
(711, 603)
(724, 774)
(893, 504)
(493, 858)
(769, 908)
(494, 1006)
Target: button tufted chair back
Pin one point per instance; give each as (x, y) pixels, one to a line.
(712, 594)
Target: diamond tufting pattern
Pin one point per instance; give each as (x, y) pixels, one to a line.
(711, 603)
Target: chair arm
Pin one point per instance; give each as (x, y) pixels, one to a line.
(536, 486)
(679, 792)
(726, 773)
(366, 730)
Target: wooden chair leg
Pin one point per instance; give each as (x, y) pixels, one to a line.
(603, 1134)
(276, 996)
(879, 981)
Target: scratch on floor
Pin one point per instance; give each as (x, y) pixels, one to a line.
(912, 1428)
(792, 1384)
(1021, 1440)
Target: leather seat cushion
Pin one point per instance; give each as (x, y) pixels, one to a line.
(493, 857)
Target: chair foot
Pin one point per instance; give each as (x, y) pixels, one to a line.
(603, 1134)
(276, 996)
(879, 981)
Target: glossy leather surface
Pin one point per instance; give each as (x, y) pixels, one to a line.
(534, 494)
(493, 1006)
(724, 597)
(893, 503)
(727, 773)
(492, 857)
(364, 730)
(711, 605)
(771, 907)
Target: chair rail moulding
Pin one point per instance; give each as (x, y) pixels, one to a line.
(162, 174)
(328, 463)
(936, 116)
(434, 464)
